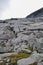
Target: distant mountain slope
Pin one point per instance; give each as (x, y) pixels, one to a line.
(36, 16)
(38, 13)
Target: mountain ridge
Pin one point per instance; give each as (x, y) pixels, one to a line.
(37, 13)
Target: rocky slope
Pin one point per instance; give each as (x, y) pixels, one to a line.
(18, 34)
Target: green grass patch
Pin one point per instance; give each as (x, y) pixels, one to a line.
(2, 63)
(15, 57)
(35, 63)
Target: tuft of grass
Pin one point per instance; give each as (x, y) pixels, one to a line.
(2, 63)
(35, 63)
(15, 57)
(23, 54)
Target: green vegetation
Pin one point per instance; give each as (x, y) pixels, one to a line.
(35, 63)
(2, 63)
(15, 57)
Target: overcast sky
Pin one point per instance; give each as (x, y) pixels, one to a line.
(18, 8)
